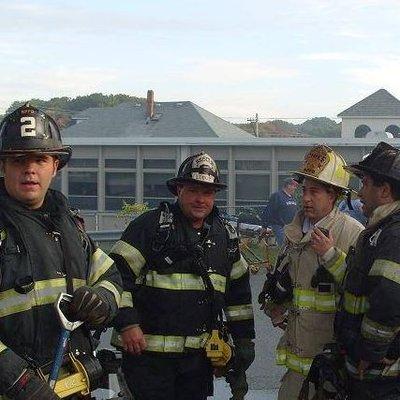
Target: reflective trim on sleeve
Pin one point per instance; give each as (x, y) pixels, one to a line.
(126, 300)
(292, 361)
(377, 332)
(3, 234)
(388, 371)
(306, 299)
(179, 281)
(130, 254)
(111, 288)
(2, 347)
(386, 268)
(239, 312)
(77, 283)
(99, 264)
(239, 268)
(174, 344)
(44, 292)
(355, 304)
(337, 266)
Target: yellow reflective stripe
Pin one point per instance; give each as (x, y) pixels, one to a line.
(77, 283)
(386, 268)
(181, 281)
(3, 234)
(2, 347)
(292, 361)
(130, 254)
(306, 299)
(174, 344)
(376, 331)
(111, 288)
(44, 292)
(239, 313)
(337, 266)
(239, 268)
(126, 300)
(355, 304)
(99, 264)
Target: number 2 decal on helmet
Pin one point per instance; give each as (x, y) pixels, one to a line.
(28, 126)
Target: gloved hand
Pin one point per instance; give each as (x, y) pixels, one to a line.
(30, 387)
(89, 305)
(244, 356)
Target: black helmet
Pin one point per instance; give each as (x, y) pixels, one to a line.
(29, 130)
(198, 168)
(384, 160)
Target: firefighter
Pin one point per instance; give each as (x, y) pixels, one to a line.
(368, 321)
(181, 267)
(44, 251)
(300, 296)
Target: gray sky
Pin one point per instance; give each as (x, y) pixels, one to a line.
(289, 59)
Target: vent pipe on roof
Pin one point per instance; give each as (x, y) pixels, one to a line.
(150, 104)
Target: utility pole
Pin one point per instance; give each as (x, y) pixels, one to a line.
(254, 121)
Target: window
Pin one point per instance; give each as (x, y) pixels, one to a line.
(394, 130)
(246, 165)
(159, 164)
(83, 163)
(289, 166)
(155, 188)
(252, 189)
(222, 164)
(222, 195)
(120, 163)
(361, 131)
(120, 187)
(83, 190)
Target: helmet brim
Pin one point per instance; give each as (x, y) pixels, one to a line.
(63, 154)
(174, 182)
(302, 174)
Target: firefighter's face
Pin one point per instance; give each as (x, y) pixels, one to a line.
(27, 178)
(317, 200)
(373, 196)
(196, 201)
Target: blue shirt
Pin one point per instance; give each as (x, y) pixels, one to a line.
(281, 209)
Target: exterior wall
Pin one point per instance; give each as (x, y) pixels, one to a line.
(349, 124)
(251, 172)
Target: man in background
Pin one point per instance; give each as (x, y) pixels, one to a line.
(281, 209)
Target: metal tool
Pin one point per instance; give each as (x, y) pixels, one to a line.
(66, 328)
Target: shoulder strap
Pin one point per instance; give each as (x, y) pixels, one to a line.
(233, 240)
(164, 228)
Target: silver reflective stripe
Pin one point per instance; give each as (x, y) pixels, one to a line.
(44, 292)
(179, 281)
(386, 268)
(99, 264)
(240, 312)
(376, 331)
(239, 268)
(130, 254)
(111, 288)
(174, 344)
(126, 300)
(2, 346)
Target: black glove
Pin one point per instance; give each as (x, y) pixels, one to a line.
(89, 305)
(30, 387)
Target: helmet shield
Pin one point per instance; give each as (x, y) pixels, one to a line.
(29, 130)
(199, 168)
(323, 164)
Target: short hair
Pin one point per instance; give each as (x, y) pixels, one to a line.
(288, 181)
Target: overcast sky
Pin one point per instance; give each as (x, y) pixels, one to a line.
(289, 59)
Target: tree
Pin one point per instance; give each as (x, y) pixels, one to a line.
(320, 127)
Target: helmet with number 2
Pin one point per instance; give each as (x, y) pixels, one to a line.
(28, 130)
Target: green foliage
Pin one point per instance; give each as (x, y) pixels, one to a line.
(130, 210)
(62, 108)
(316, 127)
(320, 127)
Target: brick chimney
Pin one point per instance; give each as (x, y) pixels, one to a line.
(150, 104)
